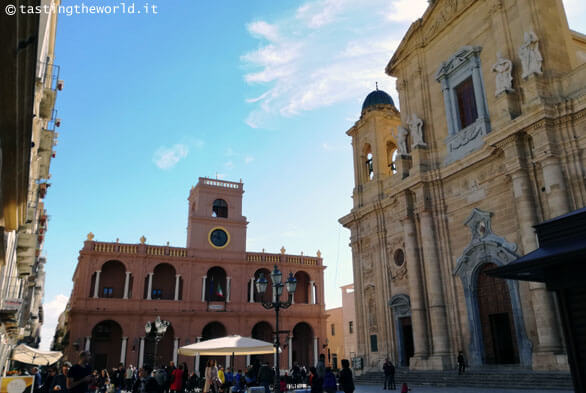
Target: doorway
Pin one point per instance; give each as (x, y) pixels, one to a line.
(408, 348)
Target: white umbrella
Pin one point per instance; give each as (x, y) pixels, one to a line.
(25, 354)
(229, 345)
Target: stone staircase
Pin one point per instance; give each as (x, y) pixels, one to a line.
(486, 378)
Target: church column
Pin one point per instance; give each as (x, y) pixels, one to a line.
(150, 287)
(203, 288)
(175, 349)
(555, 186)
(197, 359)
(177, 283)
(251, 292)
(88, 342)
(247, 360)
(97, 284)
(437, 308)
(415, 289)
(126, 285)
(312, 292)
(141, 353)
(123, 350)
(315, 350)
(228, 288)
(290, 352)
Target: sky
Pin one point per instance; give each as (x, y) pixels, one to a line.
(256, 90)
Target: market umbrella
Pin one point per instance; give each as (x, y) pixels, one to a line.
(229, 345)
(28, 355)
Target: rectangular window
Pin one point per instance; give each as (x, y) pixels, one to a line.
(333, 329)
(466, 103)
(107, 292)
(373, 343)
(351, 327)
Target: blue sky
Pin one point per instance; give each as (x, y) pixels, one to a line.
(261, 91)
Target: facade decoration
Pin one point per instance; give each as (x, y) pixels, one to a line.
(402, 134)
(504, 80)
(416, 130)
(530, 55)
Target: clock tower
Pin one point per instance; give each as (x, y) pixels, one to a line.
(216, 224)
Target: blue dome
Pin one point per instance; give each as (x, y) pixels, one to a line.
(377, 97)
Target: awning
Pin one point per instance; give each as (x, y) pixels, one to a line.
(25, 354)
(230, 345)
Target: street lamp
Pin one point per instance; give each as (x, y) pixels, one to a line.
(261, 286)
(157, 329)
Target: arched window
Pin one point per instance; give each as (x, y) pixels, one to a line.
(105, 344)
(112, 280)
(302, 293)
(220, 208)
(163, 282)
(368, 162)
(391, 157)
(216, 285)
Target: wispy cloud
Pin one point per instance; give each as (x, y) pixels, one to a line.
(248, 159)
(323, 53)
(167, 157)
(51, 310)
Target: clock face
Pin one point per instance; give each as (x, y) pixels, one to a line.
(219, 238)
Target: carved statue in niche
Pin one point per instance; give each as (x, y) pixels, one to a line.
(402, 141)
(416, 130)
(504, 80)
(530, 55)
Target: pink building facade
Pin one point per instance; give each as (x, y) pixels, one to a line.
(204, 290)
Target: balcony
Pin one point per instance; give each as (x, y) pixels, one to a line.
(49, 81)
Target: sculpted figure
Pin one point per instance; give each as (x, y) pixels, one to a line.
(530, 56)
(402, 140)
(416, 129)
(503, 68)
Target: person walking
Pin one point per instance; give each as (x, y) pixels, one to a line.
(266, 377)
(177, 380)
(330, 383)
(208, 377)
(389, 370)
(346, 380)
(80, 376)
(461, 363)
(60, 383)
(129, 378)
(321, 366)
(316, 382)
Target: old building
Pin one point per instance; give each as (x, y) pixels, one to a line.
(205, 290)
(29, 81)
(340, 329)
(489, 141)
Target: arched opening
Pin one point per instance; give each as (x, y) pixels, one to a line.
(401, 306)
(496, 317)
(368, 162)
(302, 293)
(216, 285)
(303, 344)
(106, 344)
(112, 280)
(163, 285)
(164, 349)
(266, 297)
(210, 331)
(262, 331)
(220, 208)
(391, 157)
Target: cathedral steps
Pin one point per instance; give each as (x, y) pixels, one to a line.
(492, 378)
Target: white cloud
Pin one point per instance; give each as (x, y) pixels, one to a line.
(168, 157)
(248, 159)
(406, 10)
(263, 29)
(51, 312)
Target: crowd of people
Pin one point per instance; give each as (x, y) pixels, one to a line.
(81, 378)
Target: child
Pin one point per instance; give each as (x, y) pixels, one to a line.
(405, 388)
(283, 385)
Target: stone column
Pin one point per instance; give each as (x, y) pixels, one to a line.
(150, 287)
(97, 284)
(251, 292)
(197, 359)
(228, 288)
(177, 283)
(123, 350)
(478, 96)
(418, 318)
(88, 342)
(247, 360)
(312, 292)
(126, 285)
(315, 350)
(437, 308)
(290, 352)
(175, 349)
(141, 353)
(203, 288)
(555, 186)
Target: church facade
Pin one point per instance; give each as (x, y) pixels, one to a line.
(489, 141)
(205, 290)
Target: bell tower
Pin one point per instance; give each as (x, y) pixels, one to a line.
(215, 221)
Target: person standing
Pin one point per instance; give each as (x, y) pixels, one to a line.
(80, 376)
(316, 382)
(389, 370)
(129, 378)
(177, 380)
(330, 384)
(321, 366)
(266, 377)
(461, 363)
(346, 380)
(37, 378)
(60, 383)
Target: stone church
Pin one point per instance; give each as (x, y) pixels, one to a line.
(489, 141)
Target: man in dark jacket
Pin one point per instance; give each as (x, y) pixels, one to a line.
(389, 370)
(266, 376)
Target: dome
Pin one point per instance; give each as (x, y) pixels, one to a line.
(377, 97)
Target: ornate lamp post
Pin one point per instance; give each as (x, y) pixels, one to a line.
(157, 329)
(261, 286)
